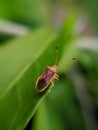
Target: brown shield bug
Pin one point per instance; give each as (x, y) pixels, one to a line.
(48, 76)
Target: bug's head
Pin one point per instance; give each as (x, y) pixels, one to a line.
(52, 69)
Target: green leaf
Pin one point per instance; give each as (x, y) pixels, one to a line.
(22, 60)
(47, 119)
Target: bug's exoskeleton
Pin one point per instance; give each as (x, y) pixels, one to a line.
(48, 76)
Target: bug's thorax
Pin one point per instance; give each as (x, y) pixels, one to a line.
(52, 68)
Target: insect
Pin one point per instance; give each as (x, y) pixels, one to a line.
(48, 76)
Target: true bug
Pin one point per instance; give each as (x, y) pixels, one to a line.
(48, 76)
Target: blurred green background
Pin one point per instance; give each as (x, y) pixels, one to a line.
(29, 32)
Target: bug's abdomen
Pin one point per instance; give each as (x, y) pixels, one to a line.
(41, 84)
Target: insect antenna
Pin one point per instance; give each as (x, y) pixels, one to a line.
(62, 62)
(56, 59)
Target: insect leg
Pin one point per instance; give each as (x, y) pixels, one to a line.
(52, 82)
(56, 77)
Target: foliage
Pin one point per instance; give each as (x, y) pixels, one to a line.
(72, 104)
